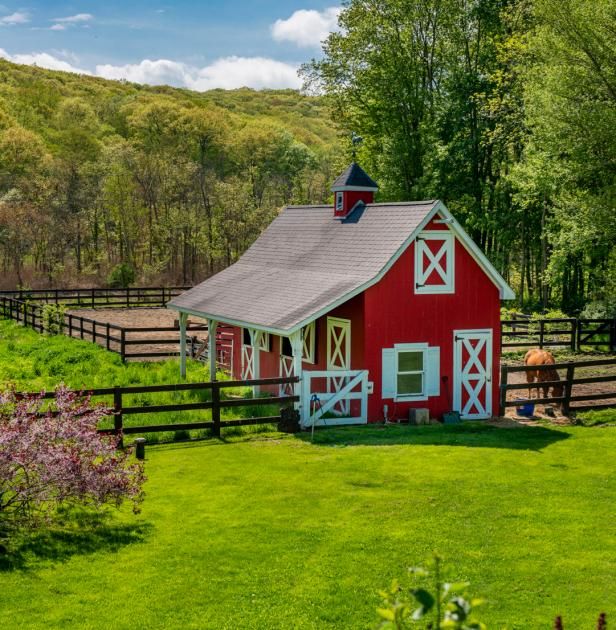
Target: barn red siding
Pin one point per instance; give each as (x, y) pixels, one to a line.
(394, 314)
(351, 197)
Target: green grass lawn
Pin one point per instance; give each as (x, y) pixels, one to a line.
(32, 362)
(282, 533)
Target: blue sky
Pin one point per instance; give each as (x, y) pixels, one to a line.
(200, 45)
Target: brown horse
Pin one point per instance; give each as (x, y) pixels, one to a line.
(542, 357)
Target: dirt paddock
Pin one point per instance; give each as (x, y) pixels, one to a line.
(135, 318)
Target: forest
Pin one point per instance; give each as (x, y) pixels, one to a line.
(505, 109)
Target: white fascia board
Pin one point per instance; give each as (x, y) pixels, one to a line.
(227, 320)
(358, 188)
(505, 291)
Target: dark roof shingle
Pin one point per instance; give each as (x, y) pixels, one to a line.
(304, 262)
(354, 175)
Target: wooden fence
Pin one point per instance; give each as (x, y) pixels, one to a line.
(215, 404)
(574, 333)
(128, 342)
(98, 298)
(568, 383)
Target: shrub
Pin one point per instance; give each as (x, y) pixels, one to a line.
(53, 318)
(52, 459)
(121, 276)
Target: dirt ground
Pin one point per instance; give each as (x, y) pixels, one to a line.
(161, 342)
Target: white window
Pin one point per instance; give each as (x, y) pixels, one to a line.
(339, 199)
(309, 343)
(434, 262)
(411, 371)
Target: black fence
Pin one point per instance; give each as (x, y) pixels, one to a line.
(129, 342)
(98, 298)
(215, 404)
(574, 333)
(604, 399)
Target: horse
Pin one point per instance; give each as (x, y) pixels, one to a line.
(542, 357)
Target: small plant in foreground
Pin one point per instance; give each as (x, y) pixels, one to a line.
(443, 605)
(57, 459)
(53, 318)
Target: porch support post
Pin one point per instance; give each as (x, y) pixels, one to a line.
(183, 320)
(297, 347)
(256, 359)
(212, 325)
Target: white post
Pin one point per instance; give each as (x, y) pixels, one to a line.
(183, 320)
(297, 347)
(256, 359)
(212, 325)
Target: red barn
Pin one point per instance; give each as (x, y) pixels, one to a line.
(378, 307)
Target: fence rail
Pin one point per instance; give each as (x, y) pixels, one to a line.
(128, 342)
(567, 384)
(215, 404)
(573, 333)
(96, 298)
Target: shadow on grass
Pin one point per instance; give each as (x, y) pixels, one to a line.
(469, 434)
(73, 534)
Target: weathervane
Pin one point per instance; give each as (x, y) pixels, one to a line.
(355, 141)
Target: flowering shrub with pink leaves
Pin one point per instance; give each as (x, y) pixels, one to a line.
(55, 458)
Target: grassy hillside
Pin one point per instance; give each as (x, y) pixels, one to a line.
(174, 183)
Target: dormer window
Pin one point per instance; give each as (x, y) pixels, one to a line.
(434, 262)
(339, 201)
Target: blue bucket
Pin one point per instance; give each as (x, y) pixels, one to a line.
(526, 410)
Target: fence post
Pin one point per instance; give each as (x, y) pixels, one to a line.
(25, 315)
(93, 331)
(574, 327)
(70, 325)
(127, 297)
(541, 332)
(613, 335)
(108, 331)
(580, 327)
(502, 391)
(92, 297)
(123, 345)
(163, 292)
(118, 419)
(216, 409)
(81, 327)
(568, 388)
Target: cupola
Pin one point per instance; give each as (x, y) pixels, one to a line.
(352, 186)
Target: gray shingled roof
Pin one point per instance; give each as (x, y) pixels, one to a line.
(305, 261)
(354, 175)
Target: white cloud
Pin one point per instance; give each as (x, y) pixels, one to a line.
(227, 72)
(306, 28)
(44, 60)
(74, 19)
(57, 27)
(19, 17)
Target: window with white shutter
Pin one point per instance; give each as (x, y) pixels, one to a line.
(434, 262)
(411, 371)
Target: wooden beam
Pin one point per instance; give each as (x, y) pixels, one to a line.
(297, 347)
(212, 325)
(183, 320)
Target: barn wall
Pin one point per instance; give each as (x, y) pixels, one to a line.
(394, 314)
(351, 197)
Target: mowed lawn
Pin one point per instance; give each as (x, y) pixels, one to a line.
(282, 533)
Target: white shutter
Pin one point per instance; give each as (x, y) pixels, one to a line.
(433, 371)
(388, 386)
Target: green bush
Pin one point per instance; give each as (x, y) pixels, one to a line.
(53, 318)
(121, 276)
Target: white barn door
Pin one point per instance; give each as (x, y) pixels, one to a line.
(472, 369)
(338, 358)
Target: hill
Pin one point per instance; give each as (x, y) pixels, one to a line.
(171, 183)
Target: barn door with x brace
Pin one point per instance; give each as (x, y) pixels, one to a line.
(472, 369)
(338, 358)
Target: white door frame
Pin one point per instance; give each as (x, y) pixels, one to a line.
(338, 357)
(476, 382)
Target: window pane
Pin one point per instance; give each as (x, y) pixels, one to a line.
(410, 384)
(410, 361)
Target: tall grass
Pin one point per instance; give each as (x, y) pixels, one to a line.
(31, 362)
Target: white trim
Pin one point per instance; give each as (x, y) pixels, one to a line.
(338, 357)
(412, 347)
(506, 293)
(485, 337)
(447, 272)
(309, 342)
(358, 188)
(339, 201)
